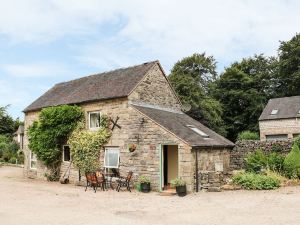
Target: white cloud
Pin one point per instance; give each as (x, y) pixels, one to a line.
(34, 70)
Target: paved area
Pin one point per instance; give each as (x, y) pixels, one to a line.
(32, 202)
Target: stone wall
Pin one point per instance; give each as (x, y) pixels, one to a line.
(213, 167)
(291, 127)
(155, 89)
(242, 148)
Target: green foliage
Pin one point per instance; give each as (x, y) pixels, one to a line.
(178, 182)
(253, 181)
(85, 145)
(7, 124)
(248, 135)
(8, 148)
(51, 130)
(191, 79)
(52, 176)
(258, 161)
(288, 79)
(243, 90)
(143, 179)
(292, 163)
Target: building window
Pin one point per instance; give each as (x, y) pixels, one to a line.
(274, 112)
(66, 153)
(94, 120)
(32, 160)
(198, 131)
(112, 157)
(276, 137)
(295, 135)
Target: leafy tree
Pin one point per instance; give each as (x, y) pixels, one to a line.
(289, 67)
(47, 134)
(244, 89)
(192, 78)
(7, 124)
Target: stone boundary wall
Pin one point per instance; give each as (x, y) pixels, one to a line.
(242, 148)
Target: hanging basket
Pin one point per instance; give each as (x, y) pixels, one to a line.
(132, 147)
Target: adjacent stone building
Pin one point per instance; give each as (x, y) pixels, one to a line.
(141, 101)
(280, 120)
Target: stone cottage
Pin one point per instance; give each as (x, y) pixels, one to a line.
(147, 113)
(280, 119)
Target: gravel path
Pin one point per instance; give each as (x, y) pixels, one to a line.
(32, 202)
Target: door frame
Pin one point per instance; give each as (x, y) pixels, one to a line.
(161, 163)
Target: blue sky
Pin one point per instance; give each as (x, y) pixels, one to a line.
(46, 42)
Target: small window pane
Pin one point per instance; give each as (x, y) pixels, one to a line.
(32, 160)
(67, 155)
(95, 120)
(111, 158)
(276, 137)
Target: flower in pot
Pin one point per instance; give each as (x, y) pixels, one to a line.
(144, 184)
(180, 186)
(132, 147)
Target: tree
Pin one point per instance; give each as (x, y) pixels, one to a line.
(192, 78)
(289, 67)
(7, 124)
(244, 89)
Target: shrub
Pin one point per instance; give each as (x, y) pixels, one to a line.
(143, 179)
(177, 182)
(85, 145)
(253, 181)
(13, 160)
(292, 163)
(51, 130)
(248, 135)
(258, 161)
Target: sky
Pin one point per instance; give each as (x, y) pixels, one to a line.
(44, 42)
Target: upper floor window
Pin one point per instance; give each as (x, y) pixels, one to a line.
(94, 120)
(66, 153)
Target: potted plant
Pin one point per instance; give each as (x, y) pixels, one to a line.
(144, 184)
(180, 186)
(132, 147)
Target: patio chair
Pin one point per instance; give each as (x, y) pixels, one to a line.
(101, 180)
(124, 181)
(91, 181)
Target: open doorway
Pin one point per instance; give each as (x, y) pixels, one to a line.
(169, 165)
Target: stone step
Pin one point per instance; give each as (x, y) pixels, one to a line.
(168, 192)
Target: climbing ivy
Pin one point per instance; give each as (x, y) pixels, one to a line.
(50, 131)
(85, 145)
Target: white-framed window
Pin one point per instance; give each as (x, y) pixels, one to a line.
(112, 157)
(274, 111)
(32, 160)
(94, 120)
(198, 131)
(66, 153)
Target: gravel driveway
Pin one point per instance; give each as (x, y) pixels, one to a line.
(32, 202)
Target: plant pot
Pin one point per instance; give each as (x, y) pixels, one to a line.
(181, 190)
(145, 187)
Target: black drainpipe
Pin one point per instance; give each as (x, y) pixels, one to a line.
(197, 175)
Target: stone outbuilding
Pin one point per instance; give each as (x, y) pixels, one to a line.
(148, 115)
(280, 119)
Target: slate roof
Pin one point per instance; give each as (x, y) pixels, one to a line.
(288, 107)
(113, 84)
(176, 123)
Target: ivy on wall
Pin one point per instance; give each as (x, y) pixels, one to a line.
(51, 130)
(85, 145)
